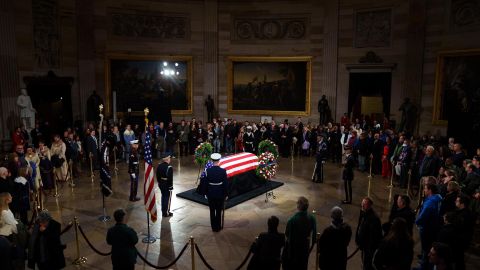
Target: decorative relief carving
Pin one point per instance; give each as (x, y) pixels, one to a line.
(373, 28)
(269, 28)
(150, 26)
(464, 15)
(370, 58)
(46, 40)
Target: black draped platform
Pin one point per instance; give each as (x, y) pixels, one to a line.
(241, 188)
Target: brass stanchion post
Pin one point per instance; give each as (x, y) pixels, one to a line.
(408, 182)
(79, 260)
(70, 166)
(391, 177)
(317, 254)
(55, 179)
(192, 251)
(115, 160)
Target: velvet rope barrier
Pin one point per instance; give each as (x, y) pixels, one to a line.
(90, 244)
(244, 260)
(166, 266)
(353, 254)
(203, 258)
(66, 229)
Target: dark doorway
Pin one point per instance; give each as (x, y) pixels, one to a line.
(51, 97)
(378, 84)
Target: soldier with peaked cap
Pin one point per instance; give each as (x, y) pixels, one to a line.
(133, 170)
(216, 178)
(165, 183)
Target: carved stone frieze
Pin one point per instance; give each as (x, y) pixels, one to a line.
(270, 28)
(46, 40)
(373, 28)
(150, 26)
(464, 15)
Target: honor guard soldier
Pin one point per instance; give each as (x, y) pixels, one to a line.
(165, 183)
(216, 177)
(320, 157)
(133, 170)
(249, 140)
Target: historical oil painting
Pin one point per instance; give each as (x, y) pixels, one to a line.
(269, 85)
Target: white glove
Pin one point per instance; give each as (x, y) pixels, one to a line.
(133, 175)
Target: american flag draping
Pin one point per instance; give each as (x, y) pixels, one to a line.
(149, 184)
(239, 163)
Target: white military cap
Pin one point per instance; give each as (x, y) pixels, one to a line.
(134, 142)
(215, 156)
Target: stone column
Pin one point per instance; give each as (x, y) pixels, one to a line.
(86, 52)
(210, 76)
(330, 55)
(9, 88)
(415, 49)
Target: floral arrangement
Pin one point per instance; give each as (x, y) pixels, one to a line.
(203, 152)
(268, 146)
(267, 165)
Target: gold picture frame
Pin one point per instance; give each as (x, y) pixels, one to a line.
(188, 60)
(268, 101)
(445, 70)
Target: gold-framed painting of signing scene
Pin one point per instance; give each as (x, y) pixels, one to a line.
(158, 82)
(457, 84)
(269, 85)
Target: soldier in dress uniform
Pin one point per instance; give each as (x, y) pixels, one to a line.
(216, 177)
(105, 176)
(165, 183)
(321, 156)
(249, 140)
(347, 174)
(133, 170)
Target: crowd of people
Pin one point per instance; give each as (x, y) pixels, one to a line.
(441, 170)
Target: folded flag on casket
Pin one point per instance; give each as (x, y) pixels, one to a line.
(239, 163)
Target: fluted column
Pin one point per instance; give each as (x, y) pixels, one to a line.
(9, 88)
(415, 49)
(211, 50)
(86, 52)
(330, 54)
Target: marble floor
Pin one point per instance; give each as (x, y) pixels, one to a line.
(224, 250)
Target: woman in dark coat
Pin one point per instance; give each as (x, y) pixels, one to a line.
(21, 196)
(45, 249)
(395, 251)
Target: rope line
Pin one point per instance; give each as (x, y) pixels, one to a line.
(353, 254)
(203, 258)
(311, 248)
(244, 260)
(66, 229)
(166, 266)
(90, 244)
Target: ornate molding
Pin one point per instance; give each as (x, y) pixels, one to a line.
(373, 28)
(464, 15)
(371, 62)
(46, 39)
(295, 28)
(370, 57)
(174, 27)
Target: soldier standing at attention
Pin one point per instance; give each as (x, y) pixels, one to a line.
(165, 183)
(216, 178)
(133, 170)
(320, 157)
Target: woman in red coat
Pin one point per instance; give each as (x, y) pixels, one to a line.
(17, 138)
(386, 166)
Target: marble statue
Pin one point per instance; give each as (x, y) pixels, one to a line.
(27, 112)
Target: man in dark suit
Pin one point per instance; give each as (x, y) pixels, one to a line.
(369, 233)
(123, 239)
(92, 149)
(347, 174)
(267, 248)
(216, 178)
(45, 248)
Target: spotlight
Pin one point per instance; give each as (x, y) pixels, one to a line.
(178, 73)
(172, 72)
(176, 64)
(165, 64)
(161, 72)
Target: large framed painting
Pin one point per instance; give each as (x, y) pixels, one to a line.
(162, 83)
(269, 85)
(457, 84)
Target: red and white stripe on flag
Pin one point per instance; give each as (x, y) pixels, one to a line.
(149, 184)
(239, 163)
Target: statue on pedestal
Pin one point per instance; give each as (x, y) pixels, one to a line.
(27, 112)
(409, 116)
(323, 110)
